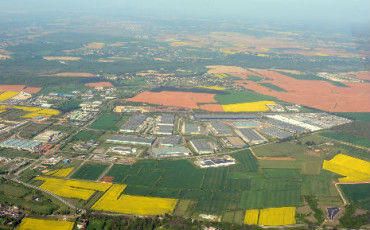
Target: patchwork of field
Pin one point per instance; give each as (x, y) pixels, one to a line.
(32, 112)
(76, 189)
(64, 172)
(203, 101)
(319, 94)
(113, 201)
(353, 169)
(314, 93)
(270, 216)
(45, 224)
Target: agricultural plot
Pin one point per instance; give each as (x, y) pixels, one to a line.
(76, 189)
(235, 97)
(213, 190)
(86, 135)
(45, 224)
(7, 95)
(258, 106)
(113, 201)
(357, 194)
(89, 171)
(271, 216)
(353, 169)
(60, 172)
(107, 121)
(32, 112)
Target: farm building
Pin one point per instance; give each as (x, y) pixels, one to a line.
(203, 146)
(166, 119)
(22, 144)
(224, 116)
(251, 136)
(221, 161)
(163, 130)
(219, 128)
(190, 129)
(169, 141)
(134, 124)
(276, 132)
(171, 152)
(130, 140)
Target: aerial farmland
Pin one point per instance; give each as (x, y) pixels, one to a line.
(112, 121)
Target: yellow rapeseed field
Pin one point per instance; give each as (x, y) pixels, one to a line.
(45, 224)
(270, 216)
(353, 169)
(113, 201)
(7, 95)
(258, 106)
(32, 111)
(60, 172)
(251, 217)
(77, 189)
(213, 87)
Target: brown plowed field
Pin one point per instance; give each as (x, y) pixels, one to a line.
(103, 84)
(314, 93)
(19, 88)
(363, 75)
(178, 99)
(211, 107)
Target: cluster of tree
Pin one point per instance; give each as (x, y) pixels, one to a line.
(353, 221)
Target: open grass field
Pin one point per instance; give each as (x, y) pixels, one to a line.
(86, 135)
(77, 189)
(233, 97)
(89, 171)
(352, 169)
(23, 197)
(358, 194)
(114, 201)
(45, 224)
(271, 216)
(107, 121)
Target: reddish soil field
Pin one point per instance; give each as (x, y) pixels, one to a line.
(211, 107)
(16, 88)
(363, 75)
(19, 88)
(230, 70)
(32, 90)
(314, 93)
(178, 99)
(103, 84)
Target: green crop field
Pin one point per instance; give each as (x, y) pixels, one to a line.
(89, 171)
(107, 121)
(358, 194)
(86, 135)
(241, 96)
(213, 190)
(273, 87)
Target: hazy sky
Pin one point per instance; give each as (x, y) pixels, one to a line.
(289, 11)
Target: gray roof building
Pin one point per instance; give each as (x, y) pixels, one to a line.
(130, 140)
